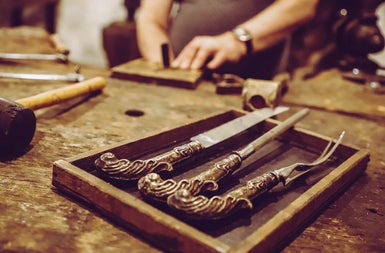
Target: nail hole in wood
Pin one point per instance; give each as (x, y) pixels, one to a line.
(134, 113)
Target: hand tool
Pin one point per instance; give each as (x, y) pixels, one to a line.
(165, 55)
(125, 170)
(217, 207)
(45, 57)
(374, 81)
(152, 185)
(18, 121)
(228, 83)
(62, 56)
(70, 77)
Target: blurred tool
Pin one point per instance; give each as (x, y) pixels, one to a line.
(70, 77)
(372, 82)
(258, 93)
(165, 55)
(62, 56)
(228, 83)
(46, 57)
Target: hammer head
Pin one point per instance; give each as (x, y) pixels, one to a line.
(17, 127)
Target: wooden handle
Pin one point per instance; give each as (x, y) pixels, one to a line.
(58, 44)
(59, 95)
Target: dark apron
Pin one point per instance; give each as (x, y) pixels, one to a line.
(212, 17)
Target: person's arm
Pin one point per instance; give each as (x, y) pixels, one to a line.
(152, 27)
(267, 28)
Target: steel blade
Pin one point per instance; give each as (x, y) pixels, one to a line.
(236, 126)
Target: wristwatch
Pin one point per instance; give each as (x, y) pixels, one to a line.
(244, 36)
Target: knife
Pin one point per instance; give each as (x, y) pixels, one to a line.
(154, 187)
(125, 170)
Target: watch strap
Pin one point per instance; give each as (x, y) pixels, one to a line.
(244, 36)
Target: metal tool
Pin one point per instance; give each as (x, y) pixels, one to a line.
(152, 185)
(125, 170)
(165, 55)
(61, 57)
(373, 82)
(228, 83)
(217, 207)
(71, 77)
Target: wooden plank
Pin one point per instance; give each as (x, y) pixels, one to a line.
(145, 72)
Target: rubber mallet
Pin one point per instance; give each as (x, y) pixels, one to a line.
(18, 120)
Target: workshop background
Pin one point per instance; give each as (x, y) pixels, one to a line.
(80, 24)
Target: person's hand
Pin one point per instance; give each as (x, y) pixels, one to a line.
(211, 51)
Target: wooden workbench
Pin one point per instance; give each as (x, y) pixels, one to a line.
(35, 217)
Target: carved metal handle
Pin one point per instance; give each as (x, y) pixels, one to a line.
(154, 187)
(217, 207)
(201, 207)
(125, 170)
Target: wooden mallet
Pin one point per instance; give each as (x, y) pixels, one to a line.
(18, 121)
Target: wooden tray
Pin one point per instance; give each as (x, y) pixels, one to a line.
(276, 218)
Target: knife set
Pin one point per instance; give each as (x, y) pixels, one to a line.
(184, 195)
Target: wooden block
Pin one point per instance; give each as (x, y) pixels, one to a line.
(275, 218)
(142, 71)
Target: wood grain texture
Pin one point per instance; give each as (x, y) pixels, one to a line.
(146, 72)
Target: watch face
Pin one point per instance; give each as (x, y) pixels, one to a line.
(242, 34)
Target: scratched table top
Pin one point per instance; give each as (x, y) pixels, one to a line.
(35, 217)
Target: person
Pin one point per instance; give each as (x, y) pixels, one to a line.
(242, 37)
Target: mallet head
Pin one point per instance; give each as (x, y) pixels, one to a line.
(17, 127)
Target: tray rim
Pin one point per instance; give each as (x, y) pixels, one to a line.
(258, 241)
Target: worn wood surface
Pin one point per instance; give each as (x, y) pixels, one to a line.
(146, 72)
(34, 217)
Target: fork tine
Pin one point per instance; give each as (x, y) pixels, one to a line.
(305, 167)
(325, 155)
(324, 151)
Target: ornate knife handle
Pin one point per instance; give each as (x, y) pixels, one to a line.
(125, 170)
(154, 187)
(217, 207)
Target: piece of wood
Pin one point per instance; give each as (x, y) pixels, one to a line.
(275, 218)
(143, 71)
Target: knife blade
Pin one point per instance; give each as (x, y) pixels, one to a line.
(126, 170)
(233, 127)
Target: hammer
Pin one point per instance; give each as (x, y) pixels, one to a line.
(18, 121)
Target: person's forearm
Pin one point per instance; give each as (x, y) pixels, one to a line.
(152, 28)
(150, 38)
(278, 20)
